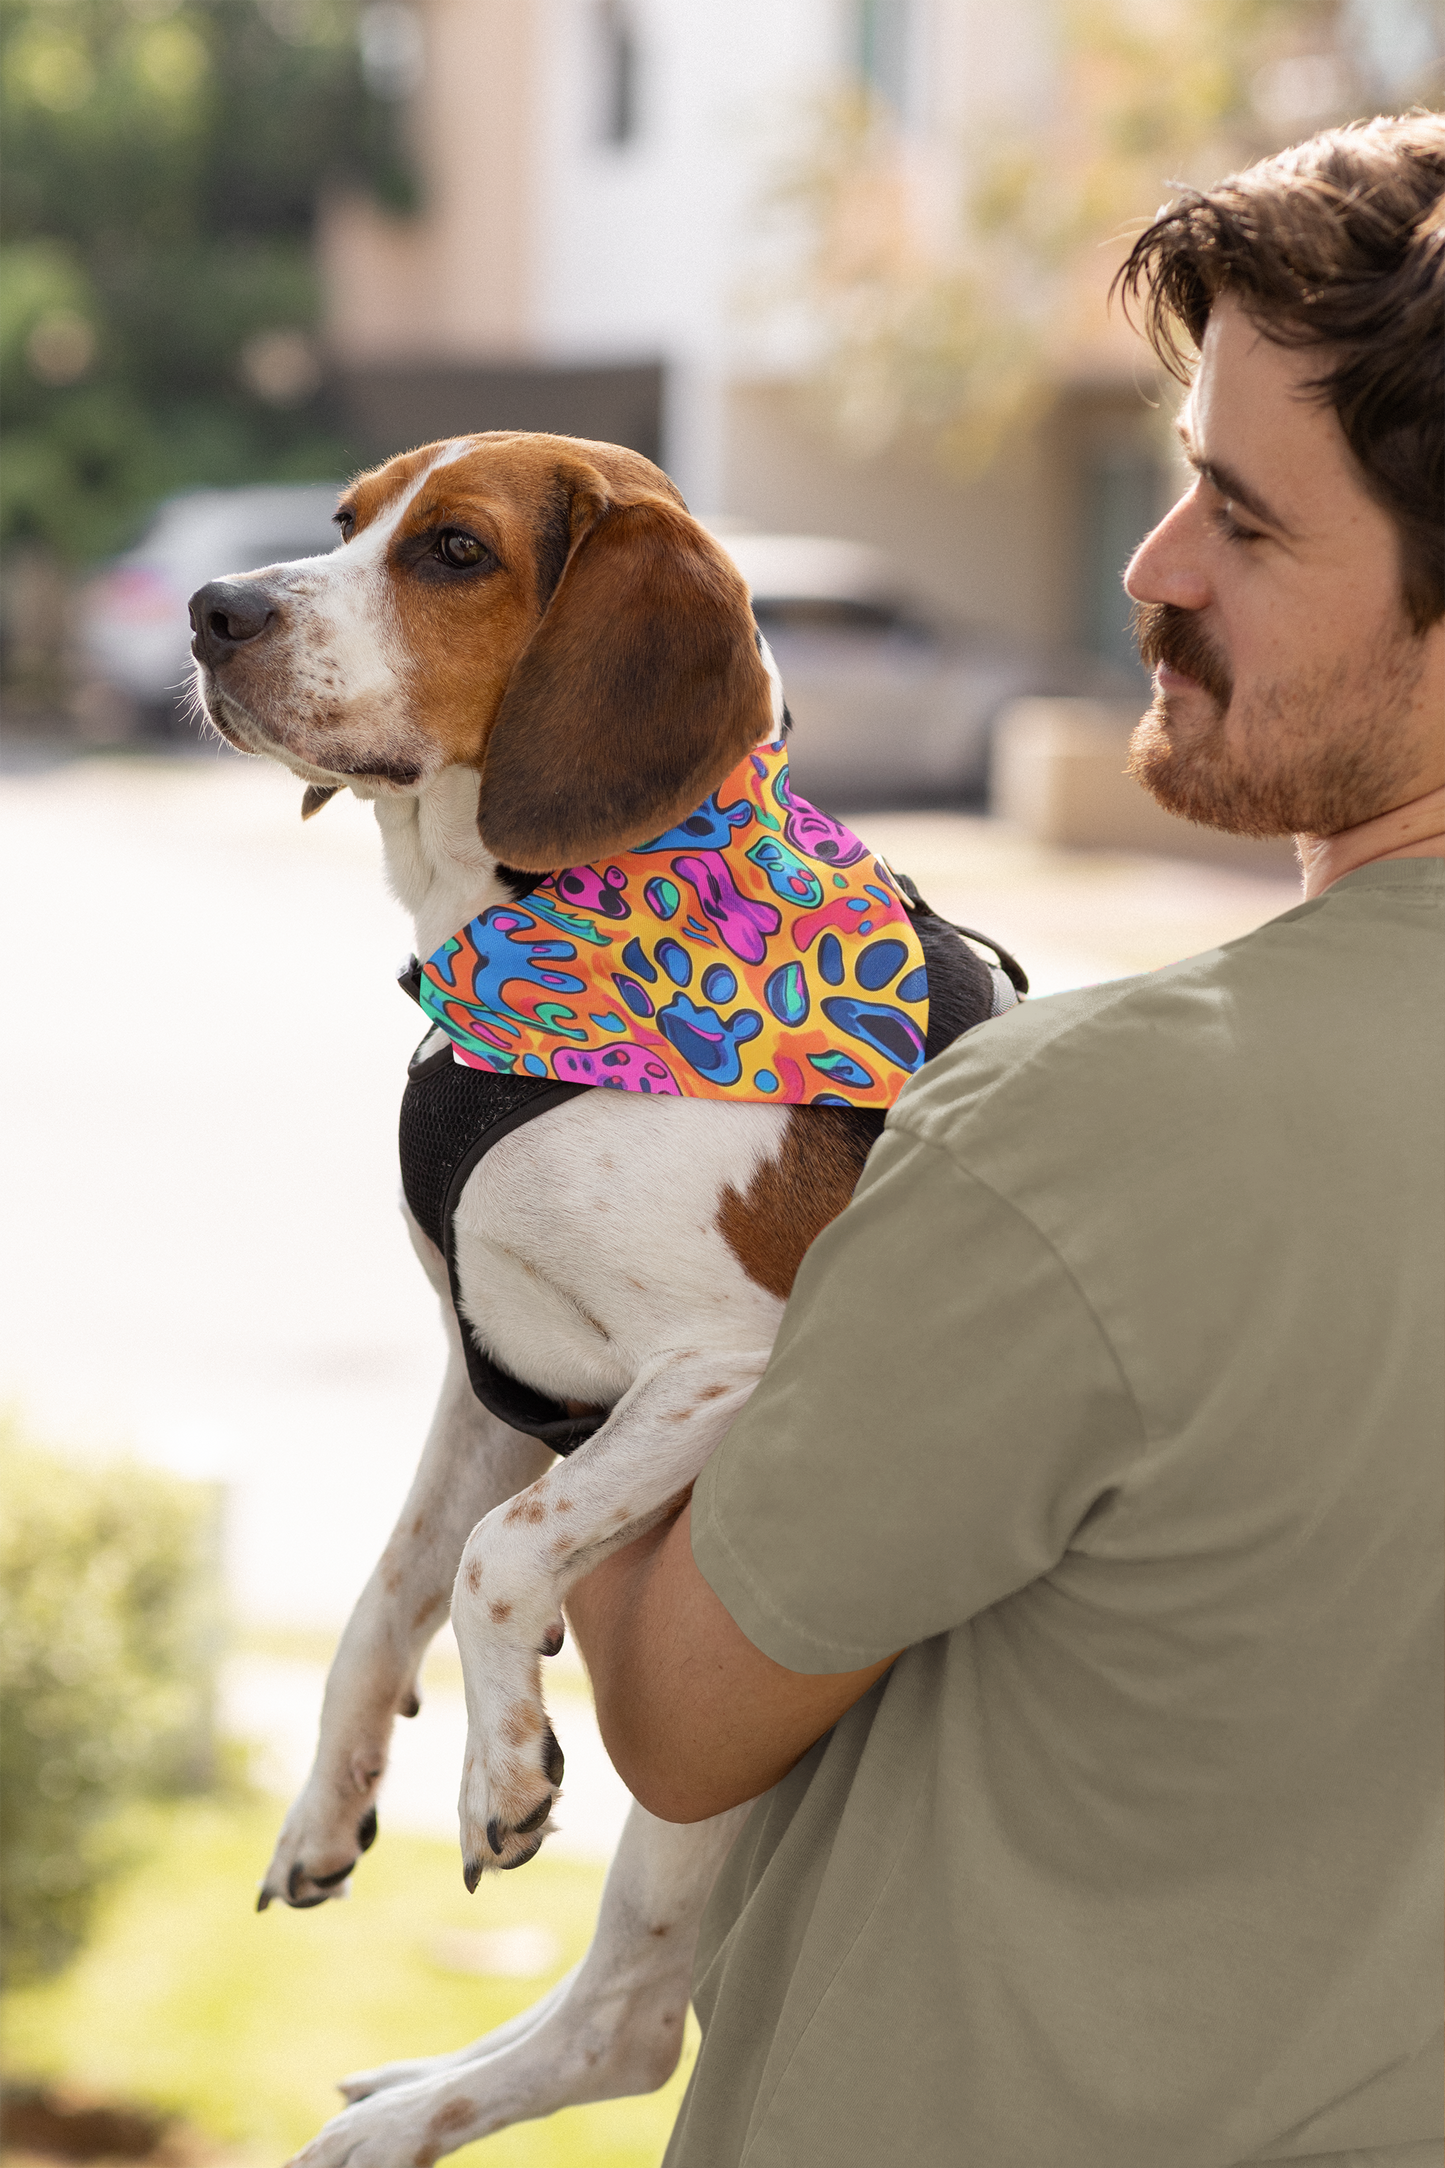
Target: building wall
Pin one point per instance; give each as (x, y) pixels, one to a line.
(561, 236)
(459, 281)
(992, 551)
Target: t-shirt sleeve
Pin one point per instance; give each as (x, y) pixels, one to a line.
(941, 1411)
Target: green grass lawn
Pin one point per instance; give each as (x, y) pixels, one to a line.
(188, 1999)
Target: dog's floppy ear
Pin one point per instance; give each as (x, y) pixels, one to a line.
(641, 688)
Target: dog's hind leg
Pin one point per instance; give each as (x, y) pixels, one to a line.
(471, 1463)
(611, 2027)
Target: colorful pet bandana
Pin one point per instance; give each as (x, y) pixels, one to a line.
(756, 951)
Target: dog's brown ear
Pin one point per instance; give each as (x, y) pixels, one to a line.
(640, 689)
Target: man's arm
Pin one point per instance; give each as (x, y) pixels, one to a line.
(695, 1718)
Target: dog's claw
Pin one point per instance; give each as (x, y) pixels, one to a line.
(366, 1827)
(262, 1900)
(553, 1638)
(294, 1881)
(494, 1836)
(553, 1761)
(523, 1857)
(534, 1820)
(472, 1874)
(329, 1881)
(412, 1705)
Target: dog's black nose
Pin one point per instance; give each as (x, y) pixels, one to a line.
(225, 615)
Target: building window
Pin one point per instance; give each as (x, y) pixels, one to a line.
(616, 38)
(885, 39)
(1121, 503)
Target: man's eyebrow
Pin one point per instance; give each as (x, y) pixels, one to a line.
(1229, 485)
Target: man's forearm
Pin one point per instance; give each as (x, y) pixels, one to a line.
(695, 1718)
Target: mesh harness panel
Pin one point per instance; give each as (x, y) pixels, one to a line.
(451, 1116)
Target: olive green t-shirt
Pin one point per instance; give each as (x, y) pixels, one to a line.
(1115, 1400)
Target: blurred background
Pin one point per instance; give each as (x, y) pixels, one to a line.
(841, 266)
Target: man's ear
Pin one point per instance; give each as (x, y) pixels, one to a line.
(641, 688)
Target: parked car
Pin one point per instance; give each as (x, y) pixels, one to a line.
(135, 633)
(888, 705)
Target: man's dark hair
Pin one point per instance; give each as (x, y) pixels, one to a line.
(1338, 243)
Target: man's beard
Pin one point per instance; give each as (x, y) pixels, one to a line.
(1307, 755)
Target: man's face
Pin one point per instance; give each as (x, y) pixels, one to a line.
(1291, 695)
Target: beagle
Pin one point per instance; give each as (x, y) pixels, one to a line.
(530, 658)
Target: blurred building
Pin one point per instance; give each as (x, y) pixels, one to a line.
(595, 254)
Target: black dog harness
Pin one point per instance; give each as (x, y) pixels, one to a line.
(451, 1116)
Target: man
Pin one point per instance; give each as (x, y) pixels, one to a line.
(1113, 1401)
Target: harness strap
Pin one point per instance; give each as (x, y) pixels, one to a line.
(1013, 970)
(451, 1116)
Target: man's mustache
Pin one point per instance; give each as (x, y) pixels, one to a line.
(1177, 638)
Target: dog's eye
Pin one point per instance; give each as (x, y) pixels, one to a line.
(461, 549)
(346, 521)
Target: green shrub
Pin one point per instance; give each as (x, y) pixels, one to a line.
(108, 1645)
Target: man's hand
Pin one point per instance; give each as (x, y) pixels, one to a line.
(695, 1718)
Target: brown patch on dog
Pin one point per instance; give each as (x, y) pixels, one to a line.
(520, 1724)
(646, 657)
(526, 1508)
(428, 1610)
(418, 1524)
(711, 1392)
(474, 1576)
(454, 2116)
(562, 1505)
(501, 1612)
(790, 1200)
(658, 1932)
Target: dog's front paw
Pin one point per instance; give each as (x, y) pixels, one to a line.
(510, 1782)
(410, 2125)
(321, 1840)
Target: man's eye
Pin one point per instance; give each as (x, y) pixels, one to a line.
(461, 549)
(1230, 527)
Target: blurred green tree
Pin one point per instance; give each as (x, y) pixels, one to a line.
(108, 1646)
(162, 163)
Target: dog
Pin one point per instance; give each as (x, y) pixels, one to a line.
(529, 657)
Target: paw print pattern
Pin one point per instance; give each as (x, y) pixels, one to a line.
(622, 1068)
(756, 950)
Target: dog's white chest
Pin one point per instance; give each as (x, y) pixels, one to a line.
(587, 1241)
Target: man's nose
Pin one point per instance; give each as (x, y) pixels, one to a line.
(225, 615)
(1167, 565)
